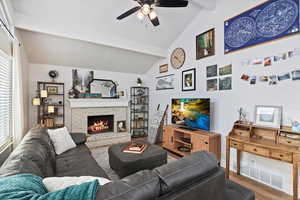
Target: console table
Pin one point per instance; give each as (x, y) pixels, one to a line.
(279, 144)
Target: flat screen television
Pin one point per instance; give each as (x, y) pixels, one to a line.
(191, 113)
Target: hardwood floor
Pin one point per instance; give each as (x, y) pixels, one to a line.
(262, 192)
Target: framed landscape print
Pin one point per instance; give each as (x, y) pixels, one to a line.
(205, 44)
(189, 80)
(268, 116)
(268, 21)
(212, 85)
(165, 82)
(226, 70)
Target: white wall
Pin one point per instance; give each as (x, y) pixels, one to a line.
(226, 103)
(39, 72)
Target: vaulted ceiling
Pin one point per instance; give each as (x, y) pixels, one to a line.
(92, 25)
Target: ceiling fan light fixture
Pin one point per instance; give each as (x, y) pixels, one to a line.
(152, 14)
(140, 15)
(146, 9)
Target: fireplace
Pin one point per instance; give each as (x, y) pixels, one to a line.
(100, 124)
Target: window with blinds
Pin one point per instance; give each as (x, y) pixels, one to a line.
(5, 98)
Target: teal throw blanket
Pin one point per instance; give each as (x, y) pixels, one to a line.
(30, 187)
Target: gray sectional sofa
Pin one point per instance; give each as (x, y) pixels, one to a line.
(192, 178)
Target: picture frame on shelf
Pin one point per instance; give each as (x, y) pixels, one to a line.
(189, 80)
(205, 44)
(121, 126)
(163, 68)
(52, 89)
(269, 116)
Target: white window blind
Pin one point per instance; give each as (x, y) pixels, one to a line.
(5, 99)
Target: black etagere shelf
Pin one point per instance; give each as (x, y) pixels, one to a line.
(55, 99)
(139, 111)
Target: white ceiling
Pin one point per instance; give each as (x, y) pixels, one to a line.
(48, 49)
(94, 21)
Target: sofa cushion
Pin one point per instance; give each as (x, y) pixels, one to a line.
(179, 173)
(78, 162)
(143, 185)
(61, 139)
(78, 138)
(33, 155)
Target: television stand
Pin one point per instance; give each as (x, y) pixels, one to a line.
(175, 137)
(188, 128)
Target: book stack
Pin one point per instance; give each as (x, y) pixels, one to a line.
(135, 148)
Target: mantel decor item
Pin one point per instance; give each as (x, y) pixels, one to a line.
(205, 44)
(269, 116)
(268, 21)
(189, 80)
(178, 58)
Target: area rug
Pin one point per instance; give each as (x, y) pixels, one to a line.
(101, 156)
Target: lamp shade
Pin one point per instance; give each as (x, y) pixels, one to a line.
(44, 93)
(51, 109)
(36, 101)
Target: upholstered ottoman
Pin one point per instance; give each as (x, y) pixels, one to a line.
(125, 164)
(235, 191)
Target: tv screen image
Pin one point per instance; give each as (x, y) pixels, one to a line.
(194, 113)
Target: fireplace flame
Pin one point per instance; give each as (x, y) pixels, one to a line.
(99, 126)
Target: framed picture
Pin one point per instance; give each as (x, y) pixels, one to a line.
(163, 68)
(121, 126)
(226, 70)
(269, 116)
(205, 44)
(52, 89)
(165, 82)
(211, 71)
(225, 83)
(189, 80)
(257, 25)
(212, 85)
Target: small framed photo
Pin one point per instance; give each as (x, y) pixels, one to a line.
(121, 126)
(189, 80)
(205, 44)
(163, 68)
(269, 116)
(52, 89)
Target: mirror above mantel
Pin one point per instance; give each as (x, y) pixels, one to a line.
(103, 87)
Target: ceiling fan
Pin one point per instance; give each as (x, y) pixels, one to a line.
(146, 8)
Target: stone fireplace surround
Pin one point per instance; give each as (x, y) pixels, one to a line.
(82, 108)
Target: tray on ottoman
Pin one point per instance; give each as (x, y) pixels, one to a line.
(125, 164)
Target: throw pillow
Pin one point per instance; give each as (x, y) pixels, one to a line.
(59, 183)
(61, 139)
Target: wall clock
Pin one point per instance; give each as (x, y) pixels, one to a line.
(177, 58)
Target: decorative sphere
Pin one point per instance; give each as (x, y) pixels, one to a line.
(53, 74)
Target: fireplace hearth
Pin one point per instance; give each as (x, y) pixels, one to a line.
(100, 124)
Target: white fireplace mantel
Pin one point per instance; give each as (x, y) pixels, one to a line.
(98, 103)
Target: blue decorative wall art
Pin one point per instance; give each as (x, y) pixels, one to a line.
(268, 21)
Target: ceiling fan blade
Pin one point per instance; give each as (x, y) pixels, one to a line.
(171, 3)
(129, 12)
(154, 21)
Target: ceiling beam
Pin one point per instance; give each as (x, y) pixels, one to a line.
(32, 24)
(206, 4)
